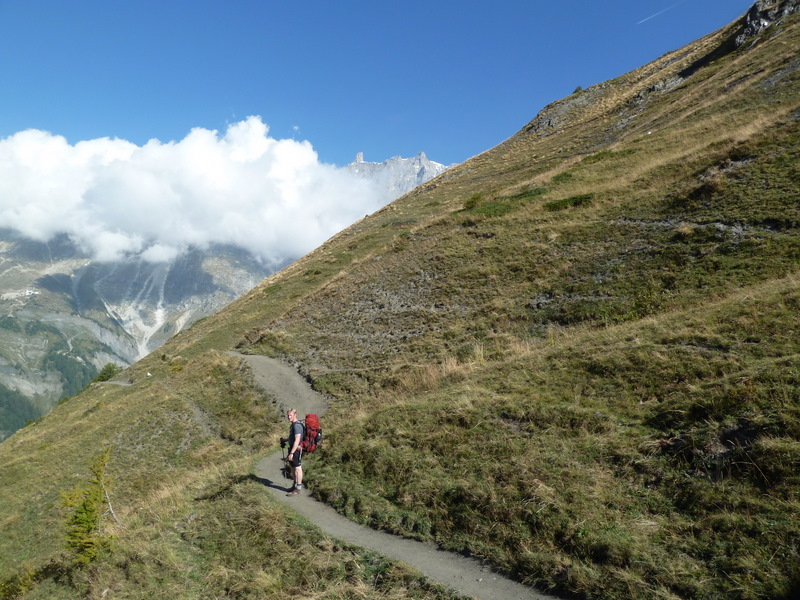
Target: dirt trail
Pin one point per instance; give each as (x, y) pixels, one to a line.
(464, 575)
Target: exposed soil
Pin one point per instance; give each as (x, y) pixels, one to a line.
(464, 575)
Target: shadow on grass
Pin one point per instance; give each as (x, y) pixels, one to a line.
(281, 485)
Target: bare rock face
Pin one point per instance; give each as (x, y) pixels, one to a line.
(65, 316)
(763, 14)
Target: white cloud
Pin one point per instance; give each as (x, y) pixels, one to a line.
(116, 199)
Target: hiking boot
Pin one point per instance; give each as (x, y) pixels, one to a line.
(294, 492)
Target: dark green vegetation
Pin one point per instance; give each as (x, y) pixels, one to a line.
(63, 356)
(87, 505)
(15, 410)
(576, 356)
(107, 372)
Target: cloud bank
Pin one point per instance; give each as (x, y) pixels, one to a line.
(116, 199)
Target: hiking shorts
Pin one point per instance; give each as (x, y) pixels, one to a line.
(297, 458)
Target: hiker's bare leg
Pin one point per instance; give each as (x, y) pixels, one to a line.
(298, 475)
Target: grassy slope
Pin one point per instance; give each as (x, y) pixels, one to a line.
(193, 522)
(574, 355)
(584, 366)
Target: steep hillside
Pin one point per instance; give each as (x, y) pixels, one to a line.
(574, 356)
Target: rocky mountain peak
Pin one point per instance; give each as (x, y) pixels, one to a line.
(397, 175)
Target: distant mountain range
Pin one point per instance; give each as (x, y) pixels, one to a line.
(65, 316)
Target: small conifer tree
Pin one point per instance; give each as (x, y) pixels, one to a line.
(84, 532)
(109, 371)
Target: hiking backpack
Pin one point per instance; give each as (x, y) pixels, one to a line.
(312, 433)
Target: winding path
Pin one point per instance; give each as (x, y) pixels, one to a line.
(464, 575)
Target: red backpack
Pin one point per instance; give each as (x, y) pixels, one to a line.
(312, 433)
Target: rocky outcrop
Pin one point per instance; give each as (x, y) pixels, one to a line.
(555, 115)
(761, 15)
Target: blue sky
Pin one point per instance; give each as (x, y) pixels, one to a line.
(450, 78)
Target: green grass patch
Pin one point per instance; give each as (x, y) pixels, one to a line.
(531, 194)
(571, 202)
(564, 177)
(607, 155)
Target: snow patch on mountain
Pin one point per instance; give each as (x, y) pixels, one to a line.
(396, 176)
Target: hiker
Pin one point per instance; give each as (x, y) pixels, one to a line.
(295, 456)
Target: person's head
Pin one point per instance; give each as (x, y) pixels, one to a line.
(291, 414)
